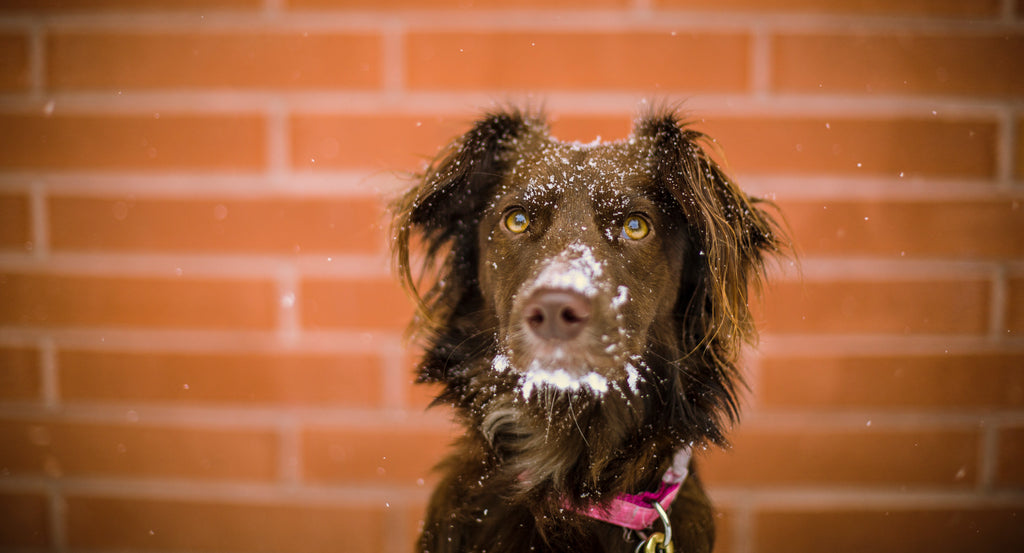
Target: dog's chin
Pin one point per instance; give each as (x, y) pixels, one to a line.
(547, 370)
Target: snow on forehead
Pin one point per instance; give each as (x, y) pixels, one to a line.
(549, 165)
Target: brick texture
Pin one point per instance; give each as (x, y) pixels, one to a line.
(868, 456)
(936, 381)
(59, 300)
(1015, 307)
(14, 228)
(452, 4)
(350, 380)
(76, 449)
(14, 71)
(918, 530)
(969, 229)
(202, 347)
(380, 455)
(215, 60)
(164, 525)
(20, 378)
(1010, 467)
(899, 307)
(280, 225)
(392, 142)
(56, 6)
(1020, 150)
(893, 147)
(24, 518)
(152, 142)
(900, 64)
(351, 303)
(574, 61)
(941, 8)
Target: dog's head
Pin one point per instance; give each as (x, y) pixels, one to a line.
(590, 271)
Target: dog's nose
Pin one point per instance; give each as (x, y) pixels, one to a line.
(557, 314)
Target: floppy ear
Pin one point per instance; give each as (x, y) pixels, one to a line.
(443, 210)
(730, 235)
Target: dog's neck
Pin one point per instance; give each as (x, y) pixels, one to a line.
(570, 451)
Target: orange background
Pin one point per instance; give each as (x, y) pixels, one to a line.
(201, 341)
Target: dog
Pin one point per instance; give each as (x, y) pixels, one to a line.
(583, 306)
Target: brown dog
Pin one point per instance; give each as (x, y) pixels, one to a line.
(587, 306)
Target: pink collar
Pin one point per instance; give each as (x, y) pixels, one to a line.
(634, 511)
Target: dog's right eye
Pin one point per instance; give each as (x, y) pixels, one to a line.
(517, 221)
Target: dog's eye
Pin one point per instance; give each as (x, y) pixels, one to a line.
(635, 227)
(517, 221)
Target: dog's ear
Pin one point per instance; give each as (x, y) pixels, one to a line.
(442, 211)
(730, 234)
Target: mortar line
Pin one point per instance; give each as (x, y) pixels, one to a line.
(1006, 142)
(393, 62)
(288, 290)
(744, 527)
(290, 450)
(988, 457)
(40, 220)
(1008, 10)
(760, 62)
(58, 518)
(998, 303)
(49, 377)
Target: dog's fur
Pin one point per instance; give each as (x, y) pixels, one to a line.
(557, 423)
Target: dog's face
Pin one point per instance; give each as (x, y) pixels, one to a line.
(580, 255)
(615, 274)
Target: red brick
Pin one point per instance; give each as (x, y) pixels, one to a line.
(24, 520)
(724, 532)
(863, 146)
(968, 228)
(14, 226)
(1020, 147)
(76, 449)
(212, 59)
(132, 142)
(899, 64)
(942, 382)
(61, 300)
(451, 4)
(354, 303)
(382, 142)
(14, 75)
(395, 455)
(586, 128)
(169, 525)
(901, 307)
(1010, 463)
(577, 61)
(276, 225)
(289, 379)
(889, 530)
(1015, 307)
(128, 5)
(20, 377)
(868, 456)
(939, 8)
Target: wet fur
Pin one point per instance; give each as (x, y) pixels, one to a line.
(521, 460)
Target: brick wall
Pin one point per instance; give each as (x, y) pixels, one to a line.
(200, 339)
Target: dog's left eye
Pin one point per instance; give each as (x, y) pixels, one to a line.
(517, 221)
(635, 227)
